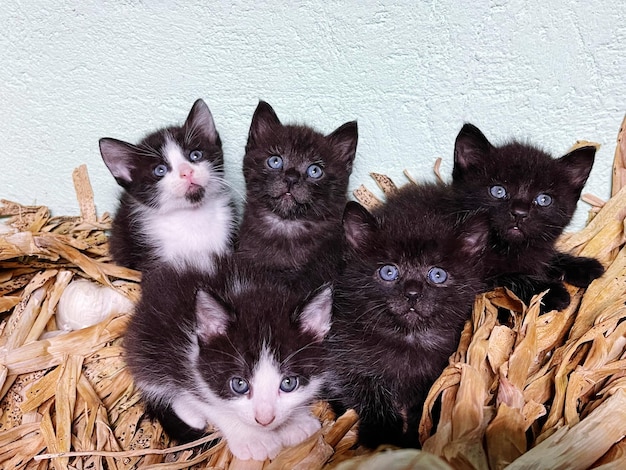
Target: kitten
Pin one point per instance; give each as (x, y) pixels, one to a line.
(530, 198)
(412, 272)
(245, 355)
(296, 184)
(175, 208)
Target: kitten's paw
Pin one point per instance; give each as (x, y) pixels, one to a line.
(583, 271)
(254, 447)
(557, 298)
(300, 429)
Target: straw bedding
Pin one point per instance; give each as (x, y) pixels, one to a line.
(533, 391)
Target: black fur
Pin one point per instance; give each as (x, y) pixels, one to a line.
(522, 254)
(292, 221)
(385, 356)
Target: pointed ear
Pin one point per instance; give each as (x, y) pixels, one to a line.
(200, 119)
(474, 233)
(470, 148)
(576, 165)
(358, 225)
(344, 140)
(264, 120)
(211, 316)
(119, 158)
(315, 316)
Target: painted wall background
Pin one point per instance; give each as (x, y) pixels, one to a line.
(410, 72)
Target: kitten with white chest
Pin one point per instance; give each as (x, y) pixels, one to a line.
(244, 355)
(175, 207)
(296, 185)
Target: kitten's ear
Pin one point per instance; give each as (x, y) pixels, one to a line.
(470, 148)
(211, 316)
(344, 140)
(201, 120)
(474, 233)
(358, 225)
(119, 158)
(264, 120)
(576, 165)
(315, 316)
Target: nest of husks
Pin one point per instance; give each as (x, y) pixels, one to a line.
(527, 391)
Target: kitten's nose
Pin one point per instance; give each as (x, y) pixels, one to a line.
(412, 292)
(185, 171)
(519, 211)
(291, 177)
(264, 420)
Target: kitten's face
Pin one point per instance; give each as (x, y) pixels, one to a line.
(262, 359)
(412, 270)
(173, 168)
(529, 195)
(294, 171)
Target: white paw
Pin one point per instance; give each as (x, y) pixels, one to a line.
(299, 429)
(256, 448)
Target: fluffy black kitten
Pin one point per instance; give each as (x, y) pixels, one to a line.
(412, 272)
(175, 207)
(296, 184)
(530, 198)
(238, 351)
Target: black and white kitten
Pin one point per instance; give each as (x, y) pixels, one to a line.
(244, 354)
(296, 184)
(530, 198)
(412, 272)
(175, 207)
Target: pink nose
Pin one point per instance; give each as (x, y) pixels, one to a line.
(265, 420)
(186, 171)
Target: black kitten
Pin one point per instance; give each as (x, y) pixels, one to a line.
(239, 351)
(296, 184)
(530, 198)
(175, 207)
(412, 272)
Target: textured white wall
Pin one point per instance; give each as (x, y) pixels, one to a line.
(410, 72)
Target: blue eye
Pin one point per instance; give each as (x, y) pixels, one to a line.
(289, 384)
(195, 155)
(543, 200)
(239, 385)
(314, 171)
(499, 192)
(388, 272)
(437, 275)
(160, 170)
(275, 162)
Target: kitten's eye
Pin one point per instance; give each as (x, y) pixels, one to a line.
(239, 385)
(289, 384)
(195, 155)
(388, 272)
(160, 170)
(543, 200)
(499, 192)
(314, 171)
(437, 275)
(275, 162)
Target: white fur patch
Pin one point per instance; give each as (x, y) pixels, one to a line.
(276, 225)
(289, 413)
(187, 234)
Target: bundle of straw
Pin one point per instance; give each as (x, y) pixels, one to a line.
(536, 391)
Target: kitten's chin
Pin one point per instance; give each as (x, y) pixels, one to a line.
(287, 206)
(195, 194)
